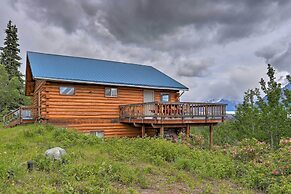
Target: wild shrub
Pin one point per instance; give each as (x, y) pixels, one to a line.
(69, 138)
(212, 164)
(281, 185)
(227, 133)
(261, 167)
(166, 150)
(183, 164)
(37, 130)
(282, 159)
(224, 133)
(197, 140)
(157, 151)
(28, 133)
(103, 173)
(46, 164)
(250, 149)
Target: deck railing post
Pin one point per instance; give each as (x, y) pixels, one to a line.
(206, 112)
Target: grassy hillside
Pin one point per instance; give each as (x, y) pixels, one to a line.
(123, 165)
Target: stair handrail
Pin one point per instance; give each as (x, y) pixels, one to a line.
(9, 117)
(17, 115)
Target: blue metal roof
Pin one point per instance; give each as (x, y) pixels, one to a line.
(78, 69)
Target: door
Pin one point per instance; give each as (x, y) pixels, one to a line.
(148, 96)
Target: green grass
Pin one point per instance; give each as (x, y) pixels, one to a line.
(115, 165)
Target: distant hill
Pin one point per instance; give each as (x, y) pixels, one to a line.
(288, 86)
(231, 104)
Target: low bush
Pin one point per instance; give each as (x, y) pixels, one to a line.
(260, 167)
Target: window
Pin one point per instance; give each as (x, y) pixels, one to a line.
(165, 97)
(67, 91)
(99, 134)
(111, 92)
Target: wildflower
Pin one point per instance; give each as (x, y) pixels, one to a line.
(276, 172)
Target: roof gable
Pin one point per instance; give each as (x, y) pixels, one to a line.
(85, 70)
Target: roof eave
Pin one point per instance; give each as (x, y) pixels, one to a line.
(111, 84)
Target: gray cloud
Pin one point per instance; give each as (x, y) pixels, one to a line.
(267, 53)
(278, 54)
(206, 45)
(132, 21)
(136, 21)
(65, 14)
(193, 68)
(283, 61)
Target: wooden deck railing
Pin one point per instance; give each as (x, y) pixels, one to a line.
(23, 114)
(179, 110)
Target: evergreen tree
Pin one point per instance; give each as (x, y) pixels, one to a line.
(10, 59)
(287, 98)
(247, 115)
(10, 52)
(267, 118)
(273, 113)
(9, 94)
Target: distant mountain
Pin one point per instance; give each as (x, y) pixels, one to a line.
(231, 104)
(288, 86)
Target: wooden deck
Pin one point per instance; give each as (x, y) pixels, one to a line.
(178, 116)
(173, 113)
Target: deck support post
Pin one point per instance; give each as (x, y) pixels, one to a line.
(188, 131)
(142, 131)
(162, 131)
(210, 136)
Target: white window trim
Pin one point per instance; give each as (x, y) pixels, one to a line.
(110, 96)
(165, 94)
(67, 87)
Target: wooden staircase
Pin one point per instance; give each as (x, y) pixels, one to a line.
(22, 115)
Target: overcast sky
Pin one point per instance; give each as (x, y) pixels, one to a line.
(218, 50)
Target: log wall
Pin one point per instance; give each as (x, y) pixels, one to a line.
(89, 110)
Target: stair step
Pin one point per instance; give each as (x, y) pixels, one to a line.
(13, 123)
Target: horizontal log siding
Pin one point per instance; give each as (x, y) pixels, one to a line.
(174, 96)
(89, 109)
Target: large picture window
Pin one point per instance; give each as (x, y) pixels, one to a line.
(111, 92)
(69, 91)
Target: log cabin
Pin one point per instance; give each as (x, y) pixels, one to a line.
(108, 98)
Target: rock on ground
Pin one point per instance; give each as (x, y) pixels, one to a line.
(55, 153)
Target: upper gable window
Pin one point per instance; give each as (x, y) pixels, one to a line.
(111, 92)
(165, 97)
(67, 91)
